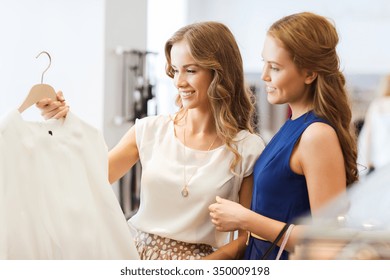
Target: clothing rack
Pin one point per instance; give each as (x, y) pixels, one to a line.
(138, 84)
(137, 101)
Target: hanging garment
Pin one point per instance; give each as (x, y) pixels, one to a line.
(373, 141)
(55, 198)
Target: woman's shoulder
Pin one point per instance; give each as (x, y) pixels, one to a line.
(251, 141)
(319, 133)
(245, 135)
(148, 128)
(154, 121)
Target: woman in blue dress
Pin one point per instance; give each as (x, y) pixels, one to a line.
(312, 158)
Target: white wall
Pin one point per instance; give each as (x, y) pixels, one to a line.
(72, 32)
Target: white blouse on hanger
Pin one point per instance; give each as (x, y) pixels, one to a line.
(55, 198)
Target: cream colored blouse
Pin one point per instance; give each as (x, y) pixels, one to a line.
(163, 210)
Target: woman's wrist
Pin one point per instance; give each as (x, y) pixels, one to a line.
(245, 220)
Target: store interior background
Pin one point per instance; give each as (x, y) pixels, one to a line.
(87, 40)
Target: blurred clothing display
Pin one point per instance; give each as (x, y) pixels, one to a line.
(353, 226)
(374, 138)
(55, 198)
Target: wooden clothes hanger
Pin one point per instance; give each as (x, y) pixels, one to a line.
(39, 91)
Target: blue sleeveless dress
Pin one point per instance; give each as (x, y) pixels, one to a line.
(278, 192)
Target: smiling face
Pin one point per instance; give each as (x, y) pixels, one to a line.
(285, 83)
(189, 78)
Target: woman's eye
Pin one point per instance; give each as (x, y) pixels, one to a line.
(191, 71)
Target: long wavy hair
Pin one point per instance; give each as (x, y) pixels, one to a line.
(213, 46)
(311, 40)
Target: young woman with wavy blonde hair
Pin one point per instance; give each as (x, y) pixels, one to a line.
(206, 149)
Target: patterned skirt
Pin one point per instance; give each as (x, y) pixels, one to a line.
(155, 247)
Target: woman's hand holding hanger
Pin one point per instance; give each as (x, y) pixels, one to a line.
(53, 108)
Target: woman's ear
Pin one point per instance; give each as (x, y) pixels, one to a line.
(310, 77)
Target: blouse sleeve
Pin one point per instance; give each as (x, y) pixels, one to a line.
(144, 129)
(252, 147)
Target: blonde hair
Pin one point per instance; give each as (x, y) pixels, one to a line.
(213, 46)
(311, 41)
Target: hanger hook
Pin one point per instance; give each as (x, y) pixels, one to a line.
(47, 68)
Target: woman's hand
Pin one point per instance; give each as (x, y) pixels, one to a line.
(53, 108)
(227, 215)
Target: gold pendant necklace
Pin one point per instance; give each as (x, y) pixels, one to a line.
(184, 191)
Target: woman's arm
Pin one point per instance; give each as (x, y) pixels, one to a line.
(320, 159)
(227, 215)
(123, 156)
(236, 248)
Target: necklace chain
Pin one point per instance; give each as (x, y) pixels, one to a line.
(184, 191)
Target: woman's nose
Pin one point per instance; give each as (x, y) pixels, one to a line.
(265, 76)
(180, 80)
